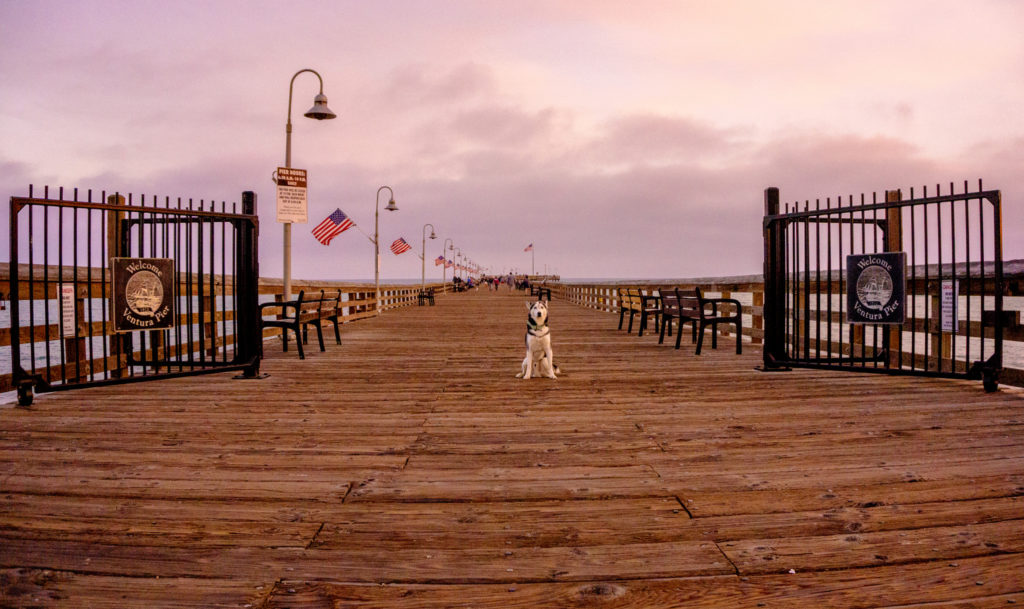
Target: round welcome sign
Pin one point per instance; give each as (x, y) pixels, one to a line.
(143, 294)
(876, 288)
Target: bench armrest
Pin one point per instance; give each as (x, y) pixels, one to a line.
(716, 301)
(294, 304)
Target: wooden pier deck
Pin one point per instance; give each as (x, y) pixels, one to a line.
(408, 468)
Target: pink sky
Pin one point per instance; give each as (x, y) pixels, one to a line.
(622, 139)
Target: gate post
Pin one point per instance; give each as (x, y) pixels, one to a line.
(114, 250)
(774, 350)
(249, 330)
(894, 243)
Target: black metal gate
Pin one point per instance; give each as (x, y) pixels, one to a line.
(65, 330)
(943, 317)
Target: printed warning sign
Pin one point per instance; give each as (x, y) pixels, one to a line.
(291, 195)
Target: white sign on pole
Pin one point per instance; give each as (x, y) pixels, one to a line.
(291, 195)
(67, 310)
(948, 302)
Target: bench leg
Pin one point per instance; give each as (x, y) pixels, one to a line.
(630, 330)
(661, 334)
(622, 313)
(739, 336)
(643, 323)
(679, 334)
(700, 337)
(320, 336)
(298, 344)
(337, 332)
(714, 336)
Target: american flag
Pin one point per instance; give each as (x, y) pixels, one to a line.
(332, 226)
(400, 246)
(448, 264)
(528, 248)
(439, 260)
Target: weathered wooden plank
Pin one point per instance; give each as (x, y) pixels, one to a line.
(825, 495)
(424, 565)
(983, 579)
(43, 589)
(778, 555)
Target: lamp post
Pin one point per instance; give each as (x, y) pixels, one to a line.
(320, 112)
(423, 275)
(376, 240)
(458, 262)
(444, 267)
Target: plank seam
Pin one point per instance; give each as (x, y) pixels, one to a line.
(270, 594)
(726, 556)
(315, 535)
(682, 504)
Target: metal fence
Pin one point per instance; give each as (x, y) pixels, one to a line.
(886, 284)
(68, 306)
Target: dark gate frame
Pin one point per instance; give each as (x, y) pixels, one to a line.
(803, 264)
(126, 230)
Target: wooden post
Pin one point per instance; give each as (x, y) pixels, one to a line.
(78, 365)
(894, 243)
(115, 341)
(941, 342)
(757, 320)
(210, 324)
(725, 327)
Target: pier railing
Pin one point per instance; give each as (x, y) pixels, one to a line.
(749, 290)
(217, 325)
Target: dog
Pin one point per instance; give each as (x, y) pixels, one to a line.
(539, 359)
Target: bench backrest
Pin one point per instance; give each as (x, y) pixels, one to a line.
(669, 301)
(690, 304)
(309, 309)
(332, 306)
(630, 299)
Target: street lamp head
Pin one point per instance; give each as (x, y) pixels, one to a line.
(391, 205)
(320, 111)
(432, 234)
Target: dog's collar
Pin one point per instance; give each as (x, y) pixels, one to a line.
(541, 331)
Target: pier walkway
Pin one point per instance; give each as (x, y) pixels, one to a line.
(408, 468)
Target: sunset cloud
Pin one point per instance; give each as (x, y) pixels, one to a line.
(621, 141)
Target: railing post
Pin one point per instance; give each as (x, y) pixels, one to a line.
(249, 331)
(894, 243)
(774, 350)
(115, 250)
(757, 319)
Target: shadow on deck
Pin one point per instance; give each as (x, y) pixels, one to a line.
(410, 456)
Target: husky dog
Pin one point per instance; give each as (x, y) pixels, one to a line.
(539, 359)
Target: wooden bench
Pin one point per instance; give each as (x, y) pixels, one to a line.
(629, 301)
(693, 308)
(424, 296)
(650, 306)
(669, 313)
(540, 292)
(301, 310)
(328, 310)
(333, 313)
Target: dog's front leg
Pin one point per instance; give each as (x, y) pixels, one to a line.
(549, 361)
(527, 367)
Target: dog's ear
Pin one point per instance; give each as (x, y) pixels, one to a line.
(528, 306)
